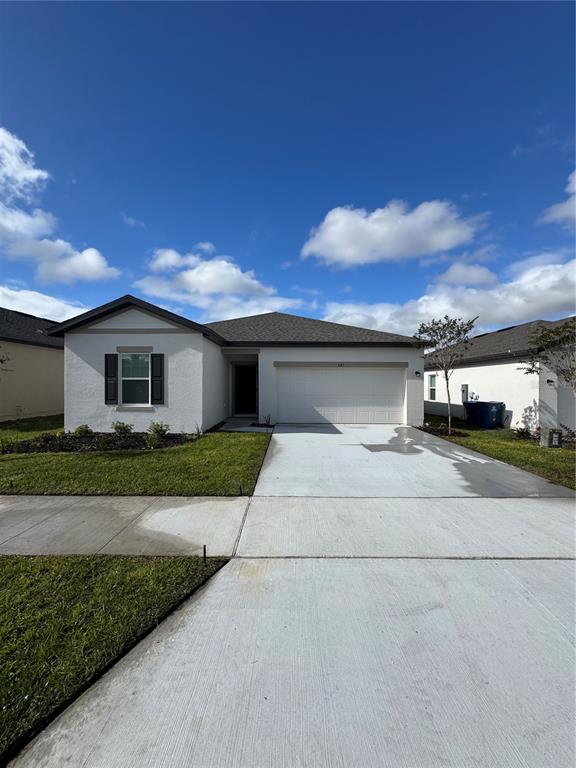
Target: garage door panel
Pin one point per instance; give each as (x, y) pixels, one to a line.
(347, 395)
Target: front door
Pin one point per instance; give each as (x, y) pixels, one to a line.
(246, 389)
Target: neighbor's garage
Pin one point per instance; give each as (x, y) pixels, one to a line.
(341, 393)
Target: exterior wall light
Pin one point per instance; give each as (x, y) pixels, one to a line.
(417, 373)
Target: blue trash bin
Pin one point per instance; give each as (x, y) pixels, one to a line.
(487, 415)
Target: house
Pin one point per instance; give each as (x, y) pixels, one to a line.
(491, 370)
(32, 378)
(132, 361)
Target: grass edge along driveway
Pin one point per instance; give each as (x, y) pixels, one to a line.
(65, 620)
(558, 465)
(217, 464)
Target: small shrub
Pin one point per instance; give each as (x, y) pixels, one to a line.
(9, 445)
(83, 430)
(198, 432)
(121, 428)
(101, 442)
(58, 441)
(46, 441)
(523, 433)
(159, 429)
(153, 440)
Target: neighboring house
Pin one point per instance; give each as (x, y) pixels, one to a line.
(32, 379)
(132, 361)
(491, 369)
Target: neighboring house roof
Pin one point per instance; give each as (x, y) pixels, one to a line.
(278, 328)
(510, 343)
(21, 328)
(271, 329)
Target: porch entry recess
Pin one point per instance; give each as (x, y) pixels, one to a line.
(245, 389)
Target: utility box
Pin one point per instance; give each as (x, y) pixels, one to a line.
(489, 415)
(551, 438)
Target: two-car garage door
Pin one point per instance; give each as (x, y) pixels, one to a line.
(341, 394)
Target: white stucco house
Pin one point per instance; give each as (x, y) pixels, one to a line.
(132, 361)
(32, 378)
(491, 370)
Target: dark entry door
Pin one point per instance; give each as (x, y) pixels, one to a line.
(245, 389)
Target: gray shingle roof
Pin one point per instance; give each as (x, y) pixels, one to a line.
(272, 329)
(27, 329)
(507, 343)
(280, 328)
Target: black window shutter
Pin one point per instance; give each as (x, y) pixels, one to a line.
(111, 379)
(157, 381)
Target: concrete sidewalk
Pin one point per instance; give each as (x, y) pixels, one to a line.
(120, 525)
(425, 528)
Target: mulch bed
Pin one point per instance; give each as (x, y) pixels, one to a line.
(99, 441)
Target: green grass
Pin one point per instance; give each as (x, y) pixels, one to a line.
(218, 464)
(64, 620)
(24, 429)
(555, 464)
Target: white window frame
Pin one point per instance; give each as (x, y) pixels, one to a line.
(123, 378)
(432, 386)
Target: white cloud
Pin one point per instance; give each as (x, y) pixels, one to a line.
(205, 246)
(563, 213)
(202, 277)
(227, 307)
(467, 274)
(39, 304)
(72, 265)
(217, 286)
(130, 221)
(539, 292)
(516, 268)
(350, 236)
(168, 260)
(220, 276)
(19, 179)
(16, 224)
(30, 235)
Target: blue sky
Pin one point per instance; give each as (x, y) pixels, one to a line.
(371, 163)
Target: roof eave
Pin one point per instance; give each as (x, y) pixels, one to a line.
(496, 358)
(252, 343)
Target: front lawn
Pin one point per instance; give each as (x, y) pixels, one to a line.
(24, 429)
(64, 620)
(555, 464)
(217, 464)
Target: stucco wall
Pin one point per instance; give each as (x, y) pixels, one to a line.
(530, 400)
(268, 402)
(84, 374)
(215, 385)
(33, 383)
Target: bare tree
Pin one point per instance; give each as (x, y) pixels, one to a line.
(554, 348)
(448, 339)
(4, 358)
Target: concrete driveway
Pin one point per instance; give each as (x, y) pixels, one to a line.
(356, 629)
(386, 461)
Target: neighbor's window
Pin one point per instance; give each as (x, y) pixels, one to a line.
(135, 374)
(432, 387)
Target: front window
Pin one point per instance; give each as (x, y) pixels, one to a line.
(432, 387)
(135, 378)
